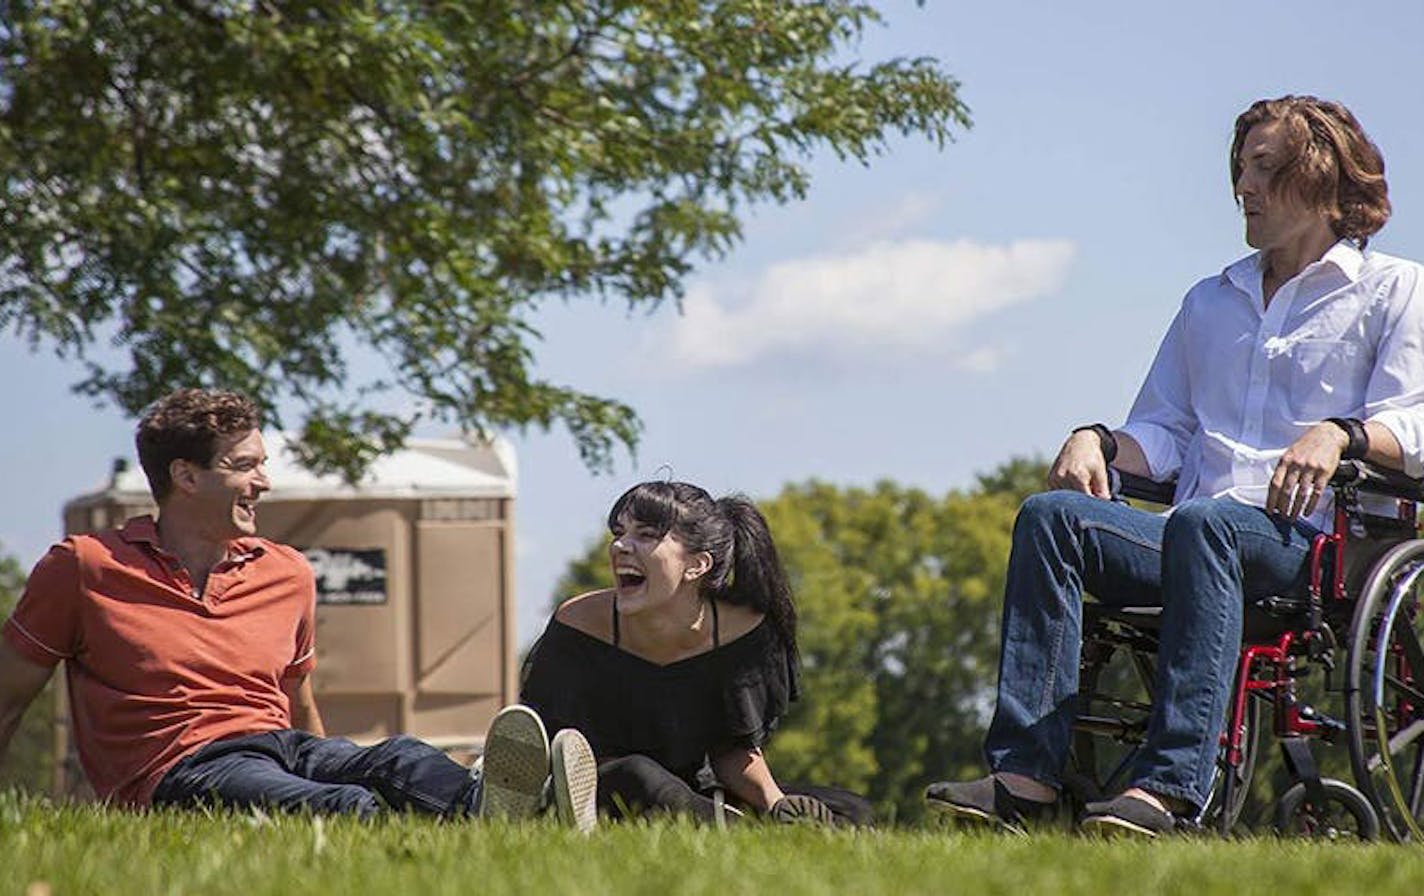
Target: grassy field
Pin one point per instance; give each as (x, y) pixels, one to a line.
(83, 850)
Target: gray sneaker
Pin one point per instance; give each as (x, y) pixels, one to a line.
(516, 763)
(987, 801)
(1129, 816)
(575, 777)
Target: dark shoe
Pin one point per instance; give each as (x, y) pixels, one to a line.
(1130, 816)
(802, 809)
(988, 801)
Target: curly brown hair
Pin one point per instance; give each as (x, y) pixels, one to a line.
(187, 425)
(1331, 164)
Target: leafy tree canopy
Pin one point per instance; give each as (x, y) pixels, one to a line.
(899, 595)
(254, 194)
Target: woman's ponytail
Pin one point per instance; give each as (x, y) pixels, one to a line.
(758, 579)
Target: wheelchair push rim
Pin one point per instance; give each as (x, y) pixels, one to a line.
(1385, 691)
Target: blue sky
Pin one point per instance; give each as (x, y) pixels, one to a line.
(925, 317)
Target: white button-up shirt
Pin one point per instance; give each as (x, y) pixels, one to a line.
(1235, 382)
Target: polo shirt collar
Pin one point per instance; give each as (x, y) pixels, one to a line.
(144, 530)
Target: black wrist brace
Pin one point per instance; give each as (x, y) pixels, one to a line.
(1359, 444)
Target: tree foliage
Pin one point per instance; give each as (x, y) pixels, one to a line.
(353, 206)
(29, 760)
(899, 595)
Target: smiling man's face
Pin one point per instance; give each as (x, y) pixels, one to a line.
(231, 485)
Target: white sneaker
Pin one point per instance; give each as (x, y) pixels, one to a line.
(575, 773)
(516, 763)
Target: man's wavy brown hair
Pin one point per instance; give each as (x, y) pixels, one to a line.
(1330, 164)
(187, 425)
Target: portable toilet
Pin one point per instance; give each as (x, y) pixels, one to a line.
(415, 584)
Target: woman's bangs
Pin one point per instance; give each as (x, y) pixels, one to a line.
(649, 504)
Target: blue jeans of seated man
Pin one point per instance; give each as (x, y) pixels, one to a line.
(1198, 563)
(297, 771)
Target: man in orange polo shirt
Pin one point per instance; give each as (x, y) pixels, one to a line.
(189, 641)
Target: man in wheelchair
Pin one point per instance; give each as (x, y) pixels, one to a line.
(1307, 352)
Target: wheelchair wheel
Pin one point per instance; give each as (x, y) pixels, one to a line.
(1384, 690)
(1230, 788)
(1344, 813)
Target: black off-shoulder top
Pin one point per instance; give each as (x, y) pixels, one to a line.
(678, 714)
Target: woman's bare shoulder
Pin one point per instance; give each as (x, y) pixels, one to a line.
(736, 620)
(590, 613)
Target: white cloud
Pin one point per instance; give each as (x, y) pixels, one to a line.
(889, 220)
(984, 359)
(905, 295)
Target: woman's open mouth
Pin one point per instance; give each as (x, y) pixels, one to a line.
(629, 578)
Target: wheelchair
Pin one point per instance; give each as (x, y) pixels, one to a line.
(1362, 604)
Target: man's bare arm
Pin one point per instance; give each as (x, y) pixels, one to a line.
(305, 716)
(20, 682)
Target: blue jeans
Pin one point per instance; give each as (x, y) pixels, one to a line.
(1197, 563)
(296, 771)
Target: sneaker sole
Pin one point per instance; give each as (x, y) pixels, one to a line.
(516, 764)
(1112, 826)
(976, 816)
(575, 773)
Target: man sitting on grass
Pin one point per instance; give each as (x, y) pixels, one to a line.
(189, 642)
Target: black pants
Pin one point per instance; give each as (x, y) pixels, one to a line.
(631, 786)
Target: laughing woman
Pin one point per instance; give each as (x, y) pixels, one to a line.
(679, 674)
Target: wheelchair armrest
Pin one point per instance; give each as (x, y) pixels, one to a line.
(1376, 480)
(1367, 478)
(1131, 485)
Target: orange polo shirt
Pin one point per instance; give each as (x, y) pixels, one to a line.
(155, 672)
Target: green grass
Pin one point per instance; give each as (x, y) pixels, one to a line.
(87, 850)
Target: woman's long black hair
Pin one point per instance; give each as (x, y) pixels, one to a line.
(745, 567)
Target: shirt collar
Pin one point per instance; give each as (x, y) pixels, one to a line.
(144, 530)
(1245, 273)
(1344, 255)
(140, 530)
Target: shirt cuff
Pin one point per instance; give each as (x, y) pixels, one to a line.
(28, 646)
(1408, 427)
(300, 667)
(1158, 446)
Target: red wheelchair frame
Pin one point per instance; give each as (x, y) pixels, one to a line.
(1287, 630)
